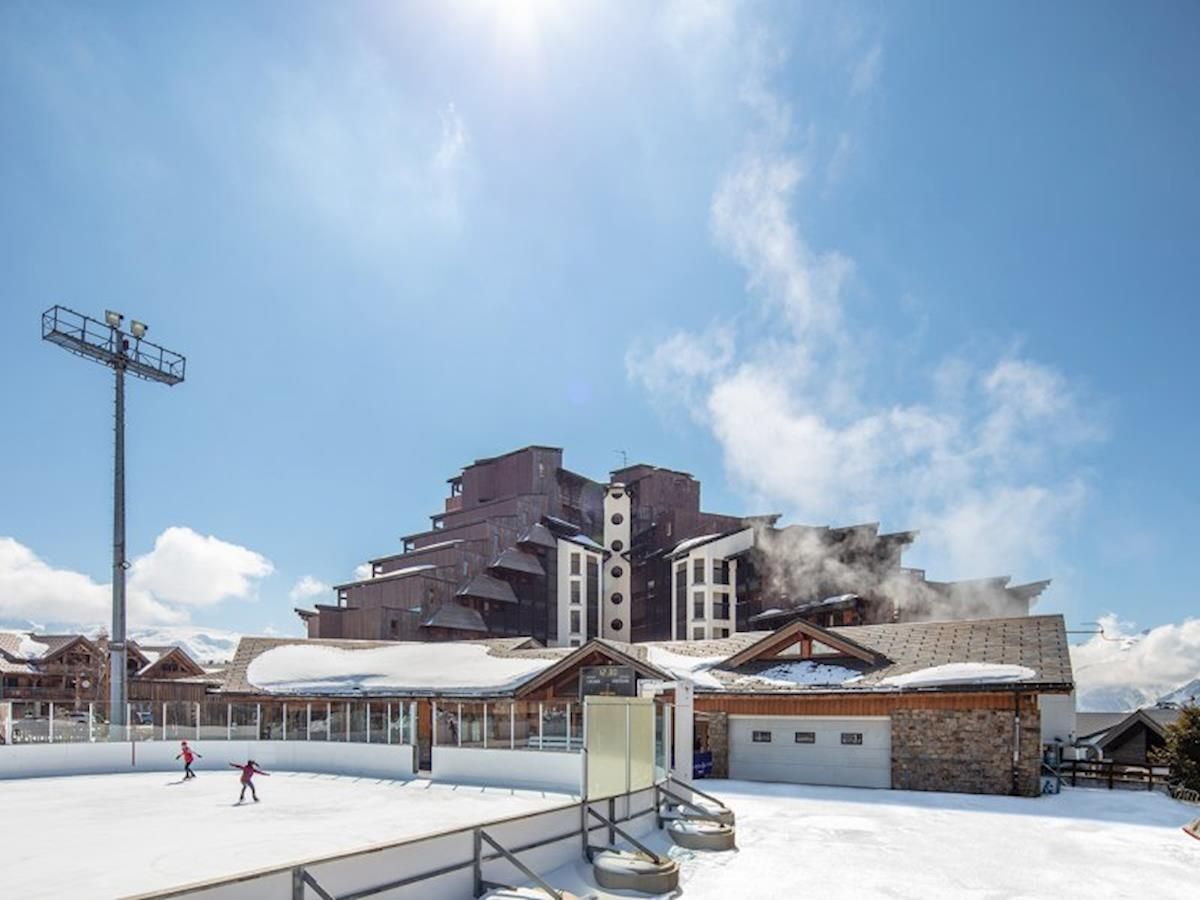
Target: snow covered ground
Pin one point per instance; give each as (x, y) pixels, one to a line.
(799, 841)
(62, 838)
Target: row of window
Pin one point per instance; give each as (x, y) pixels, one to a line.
(720, 571)
(699, 635)
(720, 605)
(851, 738)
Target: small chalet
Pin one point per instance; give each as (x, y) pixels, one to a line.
(1129, 738)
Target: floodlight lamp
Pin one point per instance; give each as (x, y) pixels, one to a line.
(138, 329)
(113, 319)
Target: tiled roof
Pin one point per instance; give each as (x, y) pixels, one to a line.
(457, 616)
(515, 560)
(487, 587)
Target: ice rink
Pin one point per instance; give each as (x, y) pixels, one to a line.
(115, 835)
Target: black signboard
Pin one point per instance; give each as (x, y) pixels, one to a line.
(607, 681)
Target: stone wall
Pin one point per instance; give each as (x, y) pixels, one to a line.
(718, 743)
(964, 750)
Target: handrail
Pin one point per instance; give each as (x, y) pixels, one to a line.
(702, 813)
(612, 826)
(480, 836)
(696, 790)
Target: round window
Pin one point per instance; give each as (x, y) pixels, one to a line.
(618, 495)
(617, 571)
(617, 599)
(617, 518)
(618, 546)
(617, 624)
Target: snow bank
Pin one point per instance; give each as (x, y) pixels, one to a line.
(686, 668)
(806, 672)
(961, 673)
(302, 669)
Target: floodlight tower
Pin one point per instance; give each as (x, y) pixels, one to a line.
(105, 343)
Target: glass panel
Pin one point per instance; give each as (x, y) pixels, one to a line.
(297, 729)
(377, 715)
(525, 735)
(318, 723)
(31, 722)
(499, 721)
(472, 724)
(660, 741)
(270, 726)
(214, 721)
(358, 722)
(181, 720)
(447, 725)
(338, 718)
(576, 726)
(145, 720)
(245, 723)
(70, 723)
(4, 711)
(554, 726)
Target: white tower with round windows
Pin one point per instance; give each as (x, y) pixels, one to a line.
(615, 614)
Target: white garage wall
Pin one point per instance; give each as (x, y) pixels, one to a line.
(827, 761)
(367, 760)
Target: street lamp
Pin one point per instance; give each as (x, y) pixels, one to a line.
(105, 343)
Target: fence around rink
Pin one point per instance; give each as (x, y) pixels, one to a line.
(512, 725)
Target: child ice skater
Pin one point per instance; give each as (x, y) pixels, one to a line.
(249, 770)
(188, 754)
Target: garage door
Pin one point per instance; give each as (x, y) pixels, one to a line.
(808, 750)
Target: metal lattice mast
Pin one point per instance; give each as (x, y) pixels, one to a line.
(106, 343)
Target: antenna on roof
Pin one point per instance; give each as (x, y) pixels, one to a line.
(624, 458)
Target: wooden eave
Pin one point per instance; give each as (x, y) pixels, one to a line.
(789, 634)
(569, 667)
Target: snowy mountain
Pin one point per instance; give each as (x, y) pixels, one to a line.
(205, 645)
(1186, 695)
(1112, 698)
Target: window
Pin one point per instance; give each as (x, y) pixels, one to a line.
(574, 642)
(720, 571)
(698, 605)
(760, 737)
(575, 617)
(617, 518)
(618, 546)
(721, 632)
(617, 599)
(576, 591)
(852, 737)
(617, 571)
(617, 624)
(697, 571)
(721, 606)
(617, 495)
(575, 564)
(806, 737)
(698, 633)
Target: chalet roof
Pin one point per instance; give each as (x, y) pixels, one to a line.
(1091, 724)
(250, 648)
(1034, 642)
(1153, 719)
(487, 587)
(778, 617)
(514, 560)
(456, 616)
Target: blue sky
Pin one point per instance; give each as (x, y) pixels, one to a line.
(930, 264)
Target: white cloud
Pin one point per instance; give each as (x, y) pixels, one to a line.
(1124, 667)
(363, 571)
(981, 453)
(190, 569)
(307, 587)
(184, 570)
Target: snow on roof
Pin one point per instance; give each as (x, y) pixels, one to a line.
(806, 672)
(468, 668)
(686, 668)
(692, 542)
(581, 539)
(438, 546)
(407, 570)
(961, 673)
(23, 645)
